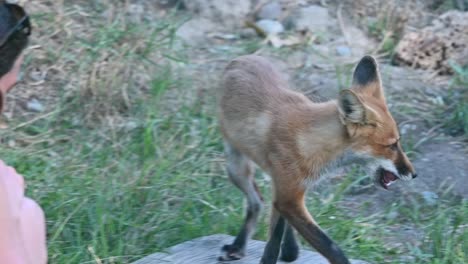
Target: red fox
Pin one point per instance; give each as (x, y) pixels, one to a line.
(291, 138)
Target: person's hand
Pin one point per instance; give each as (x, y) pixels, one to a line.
(22, 222)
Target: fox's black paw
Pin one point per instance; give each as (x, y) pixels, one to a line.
(289, 256)
(232, 252)
(289, 252)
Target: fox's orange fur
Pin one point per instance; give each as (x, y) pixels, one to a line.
(291, 138)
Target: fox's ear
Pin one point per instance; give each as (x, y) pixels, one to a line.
(351, 108)
(366, 77)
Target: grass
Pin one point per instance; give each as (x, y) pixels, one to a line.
(454, 114)
(121, 199)
(125, 165)
(445, 234)
(387, 26)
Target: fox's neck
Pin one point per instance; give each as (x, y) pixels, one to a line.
(325, 137)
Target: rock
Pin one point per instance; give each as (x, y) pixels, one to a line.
(357, 40)
(195, 31)
(435, 47)
(296, 59)
(312, 18)
(392, 215)
(130, 125)
(34, 105)
(321, 89)
(247, 33)
(37, 74)
(135, 13)
(270, 11)
(278, 42)
(206, 250)
(170, 3)
(224, 36)
(430, 197)
(406, 128)
(343, 51)
(323, 49)
(270, 27)
(228, 13)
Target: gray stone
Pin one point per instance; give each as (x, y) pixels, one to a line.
(228, 13)
(135, 13)
(392, 215)
(343, 51)
(406, 128)
(34, 105)
(224, 36)
(195, 31)
(170, 3)
(270, 27)
(312, 18)
(322, 89)
(37, 74)
(248, 33)
(270, 11)
(357, 40)
(206, 250)
(430, 197)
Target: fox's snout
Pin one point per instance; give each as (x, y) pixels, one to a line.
(403, 166)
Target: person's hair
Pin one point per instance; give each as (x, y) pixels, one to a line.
(15, 44)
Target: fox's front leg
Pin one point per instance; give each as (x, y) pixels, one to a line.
(292, 207)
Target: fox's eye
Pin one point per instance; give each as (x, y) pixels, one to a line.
(394, 146)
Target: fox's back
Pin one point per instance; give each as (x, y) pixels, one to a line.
(252, 84)
(254, 98)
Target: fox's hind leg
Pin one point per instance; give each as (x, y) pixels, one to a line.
(289, 247)
(280, 233)
(241, 172)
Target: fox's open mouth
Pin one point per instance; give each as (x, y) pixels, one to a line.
(386, 177)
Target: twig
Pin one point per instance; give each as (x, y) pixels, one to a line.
(434, 128)
(410, 121)
(258, 30)
(429, 136)
(342, 27)
(34, 120)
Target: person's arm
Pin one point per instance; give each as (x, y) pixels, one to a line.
(22, 222)
(33, 230)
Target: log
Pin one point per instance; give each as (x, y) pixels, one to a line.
(206, 250)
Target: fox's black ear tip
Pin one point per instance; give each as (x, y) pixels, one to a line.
(366, 71)
(368, 57)
(368, 61)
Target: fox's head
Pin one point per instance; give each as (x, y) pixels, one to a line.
(372, 129)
